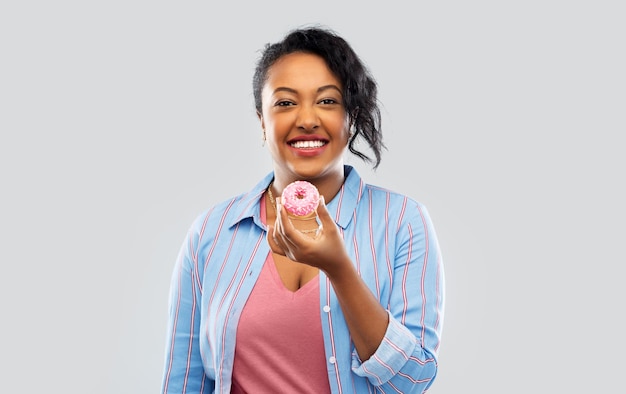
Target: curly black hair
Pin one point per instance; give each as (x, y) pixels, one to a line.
(359, 87)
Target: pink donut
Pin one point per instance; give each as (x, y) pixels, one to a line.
(300, 198)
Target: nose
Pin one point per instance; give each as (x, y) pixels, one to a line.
(308, 119)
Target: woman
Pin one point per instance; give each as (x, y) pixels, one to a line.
(257, 306)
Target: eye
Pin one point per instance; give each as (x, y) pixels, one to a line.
(329, 101)
(284, 103)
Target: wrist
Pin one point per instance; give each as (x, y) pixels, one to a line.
(341, 270)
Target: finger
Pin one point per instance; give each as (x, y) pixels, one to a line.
(279, 223)
(291, 240)
(278, 236)
(286, 247)
(287, 229)
(322, 213)
(272, 241)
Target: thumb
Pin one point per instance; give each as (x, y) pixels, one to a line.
(323, 214)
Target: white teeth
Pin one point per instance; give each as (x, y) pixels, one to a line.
(307, 144)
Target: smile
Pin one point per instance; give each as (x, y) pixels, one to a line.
(307, 144)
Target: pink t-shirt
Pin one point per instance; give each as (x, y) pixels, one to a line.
(279, 346)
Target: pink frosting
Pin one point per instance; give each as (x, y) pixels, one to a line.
(300, 198)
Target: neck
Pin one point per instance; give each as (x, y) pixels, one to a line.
(327, 185)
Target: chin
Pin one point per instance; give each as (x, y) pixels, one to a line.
(309, 172)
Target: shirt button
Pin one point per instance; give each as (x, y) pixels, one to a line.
(332, 359)
(326, 308)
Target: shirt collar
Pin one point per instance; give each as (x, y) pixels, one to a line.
(341, 207)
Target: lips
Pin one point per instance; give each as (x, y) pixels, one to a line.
(307, 142)
(308, 145)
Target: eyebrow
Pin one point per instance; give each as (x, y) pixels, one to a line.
(320, 89)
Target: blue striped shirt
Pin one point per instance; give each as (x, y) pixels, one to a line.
(393, 245)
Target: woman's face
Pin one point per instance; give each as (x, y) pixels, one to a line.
(304, 119)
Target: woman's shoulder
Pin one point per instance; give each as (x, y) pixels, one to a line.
(222, 210)
(378, 193)
(229, 211)
(392, 204)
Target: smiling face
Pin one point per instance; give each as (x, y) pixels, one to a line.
(304, 119)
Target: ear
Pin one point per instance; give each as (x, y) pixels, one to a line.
(352, 123)
(260, 116)
(353, 116)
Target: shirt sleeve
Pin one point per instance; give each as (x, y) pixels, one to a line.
(184, 371)
(406, 360)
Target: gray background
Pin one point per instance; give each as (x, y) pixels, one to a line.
(122, 120)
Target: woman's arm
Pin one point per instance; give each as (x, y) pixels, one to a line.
(406, 361)
(395, 347)
(183, 371)
(367, 320)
